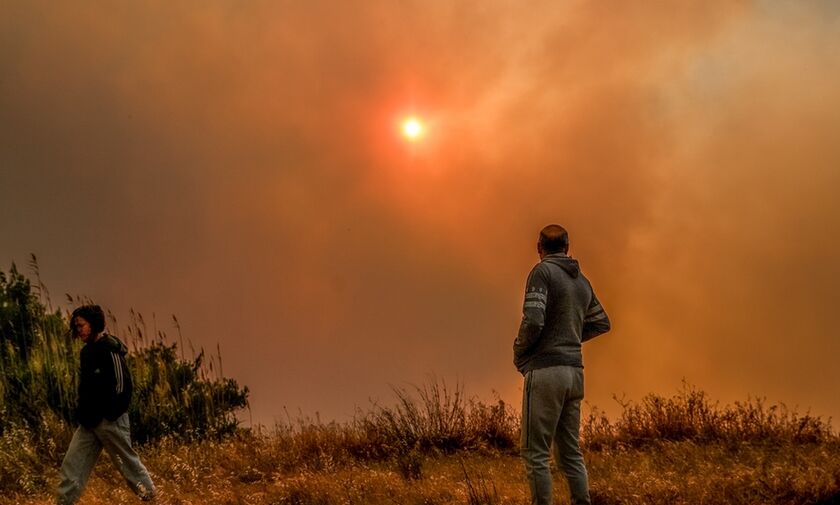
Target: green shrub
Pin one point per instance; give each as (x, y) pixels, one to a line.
(39, 367)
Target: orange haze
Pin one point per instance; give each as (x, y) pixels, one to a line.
(236, 163)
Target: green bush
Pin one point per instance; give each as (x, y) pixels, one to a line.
(39, 367)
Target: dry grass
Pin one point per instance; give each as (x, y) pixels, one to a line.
(686, 472)
(672, 473)
(691, 415)
(435, 447)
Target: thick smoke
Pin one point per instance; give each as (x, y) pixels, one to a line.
(238, 164)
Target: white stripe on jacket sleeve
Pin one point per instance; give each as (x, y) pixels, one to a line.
(118, 371)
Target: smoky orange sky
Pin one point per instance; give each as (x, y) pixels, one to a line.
(239, 164)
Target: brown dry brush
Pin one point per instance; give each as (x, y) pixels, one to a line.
(771, 463)
(434, 417)
(425, 421)
(679, 449)
(691, 415)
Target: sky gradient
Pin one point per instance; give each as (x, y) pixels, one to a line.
(239, 164)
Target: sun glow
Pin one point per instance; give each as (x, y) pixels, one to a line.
(412, 128)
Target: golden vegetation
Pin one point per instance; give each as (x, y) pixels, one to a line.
(435, 448)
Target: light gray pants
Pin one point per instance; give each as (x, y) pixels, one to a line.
(551, 411)
(115, 438)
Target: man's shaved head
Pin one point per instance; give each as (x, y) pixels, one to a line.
(553, 239)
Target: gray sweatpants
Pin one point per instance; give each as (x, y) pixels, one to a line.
(551, 411)
(115, 438)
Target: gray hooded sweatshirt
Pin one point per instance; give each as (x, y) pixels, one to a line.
(560, 312)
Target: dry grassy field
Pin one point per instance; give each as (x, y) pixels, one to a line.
(243, 471)
(435, 447)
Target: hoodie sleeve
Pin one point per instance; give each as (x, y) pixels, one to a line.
(118, 371)
(116, 383)
(109, 375)
(595, 322)
(533, 313)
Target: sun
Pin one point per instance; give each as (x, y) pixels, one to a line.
(412, 128)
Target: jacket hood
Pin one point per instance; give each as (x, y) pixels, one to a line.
(569, 265)
(112, 343)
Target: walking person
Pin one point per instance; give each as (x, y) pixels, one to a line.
(105, 389)
(559, 314)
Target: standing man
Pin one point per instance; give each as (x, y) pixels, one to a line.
(560, 313)
(104, 394)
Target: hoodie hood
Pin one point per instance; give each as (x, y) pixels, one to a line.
(569, 265)
(112, 343)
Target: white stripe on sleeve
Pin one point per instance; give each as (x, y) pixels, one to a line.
(118, 372)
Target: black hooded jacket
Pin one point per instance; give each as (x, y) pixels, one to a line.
(560, 312)
(105, 385)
